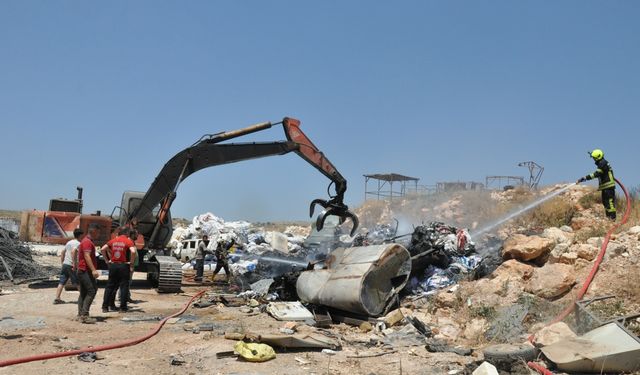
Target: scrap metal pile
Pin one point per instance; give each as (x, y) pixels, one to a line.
(441, 256)
(16, 262)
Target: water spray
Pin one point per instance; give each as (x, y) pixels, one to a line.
(285, 261)
(520, 211)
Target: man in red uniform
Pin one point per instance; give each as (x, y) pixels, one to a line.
(120, 269)
(87, 273)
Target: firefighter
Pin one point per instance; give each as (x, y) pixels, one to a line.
(607, 185)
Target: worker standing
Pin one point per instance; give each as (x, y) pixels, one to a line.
(115, 254)
(133, 235)
(607, 183)
(222, 252)
(87, 273)
(201, 251)
(68, 258)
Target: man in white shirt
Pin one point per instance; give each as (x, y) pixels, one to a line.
(68, 258)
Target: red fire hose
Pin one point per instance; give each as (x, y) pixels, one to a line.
(592, 274)
(131, 342)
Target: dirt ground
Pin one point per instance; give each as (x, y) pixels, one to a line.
(30, 324)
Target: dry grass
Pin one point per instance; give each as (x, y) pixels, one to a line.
(590, 199)
(554, 213)
(634, 216)
(586, 233)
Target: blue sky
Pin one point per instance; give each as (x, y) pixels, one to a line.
(103, 94)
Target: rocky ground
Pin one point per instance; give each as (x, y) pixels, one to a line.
(547, 254)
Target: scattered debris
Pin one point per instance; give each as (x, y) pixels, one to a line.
(88, 357)
(610, 348)
(302, 361)
(441, 346)
(485, 368)
(393, 318)
(254, 352)
(404, 337)
(141, 318)
(261, 287)
(441, 255)
(552, 334)
(16, 262)
(419, 326)
(299, 341)
(176, 360)
(289, 311)
(504, 355)
(371, 355)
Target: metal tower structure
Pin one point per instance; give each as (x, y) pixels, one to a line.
(535, 172)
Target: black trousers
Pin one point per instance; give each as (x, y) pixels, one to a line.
(220, 264)
(609, 202)
(118, 278)
(88, 289)
(199, 269)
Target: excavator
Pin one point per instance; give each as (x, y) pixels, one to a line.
(149, 212)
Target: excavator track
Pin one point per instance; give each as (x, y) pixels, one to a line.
(169, 274)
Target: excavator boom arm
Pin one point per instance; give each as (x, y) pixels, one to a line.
(206, 152)
(309, 152)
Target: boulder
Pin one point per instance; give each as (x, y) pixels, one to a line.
(446, 299)
(474, 330)
(526, 248)
(595, 241)
(580, 222)
(512, 269)
(634, 230)
(568, 258)
(585, 251)
(393, 318)
(551, 281)
(504, 286)
(553, 333)
(615, 249)
(566, 228)
(558, 235)
(448, 329)
(556, 254)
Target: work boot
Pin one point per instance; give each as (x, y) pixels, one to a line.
(87, 320)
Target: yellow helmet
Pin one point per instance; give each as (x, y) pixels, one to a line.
(597, 154)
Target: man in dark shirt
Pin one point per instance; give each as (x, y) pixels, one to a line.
(87, 273)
